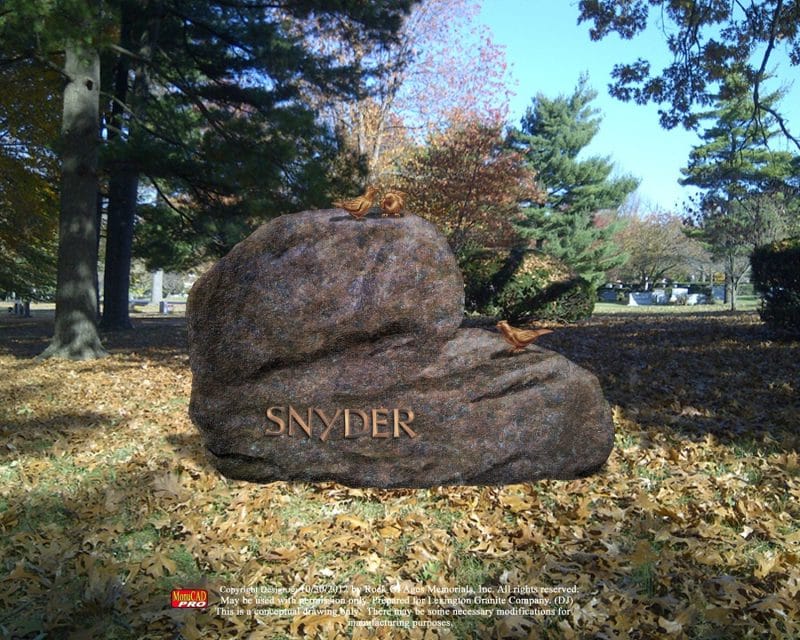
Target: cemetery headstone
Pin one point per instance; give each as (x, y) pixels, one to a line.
(328, 348)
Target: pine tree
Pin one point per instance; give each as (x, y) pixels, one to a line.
(552, 134)
(209, 109)
(746, 184)
(217, 121)
(77, 30)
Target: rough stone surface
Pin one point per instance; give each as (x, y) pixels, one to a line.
(318, 281)
(286, 338)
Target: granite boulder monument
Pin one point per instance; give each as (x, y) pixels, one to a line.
(328, 348)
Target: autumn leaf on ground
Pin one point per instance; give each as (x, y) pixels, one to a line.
(168, 485)
(158, 563)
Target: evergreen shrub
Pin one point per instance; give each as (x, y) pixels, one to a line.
(776, 276)
(543, 288)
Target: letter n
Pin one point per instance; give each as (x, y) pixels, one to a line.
(295, 417)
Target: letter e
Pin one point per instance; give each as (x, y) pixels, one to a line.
(383, 420)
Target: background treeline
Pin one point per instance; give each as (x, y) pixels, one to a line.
(168, 131)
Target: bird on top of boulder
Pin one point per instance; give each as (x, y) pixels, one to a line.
(360, 206)
(519, 338)
(393, 203)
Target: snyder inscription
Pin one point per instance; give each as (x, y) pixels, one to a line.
(352, 423)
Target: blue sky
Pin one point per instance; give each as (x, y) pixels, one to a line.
(548, 51)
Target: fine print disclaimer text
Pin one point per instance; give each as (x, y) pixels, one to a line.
(418, 606)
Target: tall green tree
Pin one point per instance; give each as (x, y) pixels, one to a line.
(76, 335)
(127, 87)
(552, 133)
(747, 186)
(218, 123)
(68, 35)
(227, 80)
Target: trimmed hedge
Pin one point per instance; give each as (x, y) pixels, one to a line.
(776, 275)
(544, 288)
(521, 285)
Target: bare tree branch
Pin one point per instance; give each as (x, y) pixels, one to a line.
(757, 107)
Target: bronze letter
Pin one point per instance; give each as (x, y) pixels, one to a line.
(376, 421)
(402, 423)
(273, 418)
(296, 416)
(328, 423)
(364, 420)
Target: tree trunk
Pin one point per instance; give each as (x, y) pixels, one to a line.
(75, 336)
(123, 186)
(736, 284)
(122, 192)
(124, 181)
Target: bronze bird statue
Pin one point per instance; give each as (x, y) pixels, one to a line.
(360, 206)
(519, 338)
(393, 203)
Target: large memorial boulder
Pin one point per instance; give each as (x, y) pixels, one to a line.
(326, 348)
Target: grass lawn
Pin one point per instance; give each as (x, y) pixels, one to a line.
(692, 530)
(743, 304)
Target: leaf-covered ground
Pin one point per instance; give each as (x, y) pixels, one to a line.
(691, 531)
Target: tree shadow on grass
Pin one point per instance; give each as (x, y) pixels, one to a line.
(695, 374)
(100, 557)
(24, 337)
(69, 542)
(26, 434)
(157, 338)
(723, 374)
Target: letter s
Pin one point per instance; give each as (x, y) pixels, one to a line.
(277, 420)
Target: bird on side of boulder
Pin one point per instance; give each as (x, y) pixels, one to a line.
(519, 338)
(360, 206)
(393, 203)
